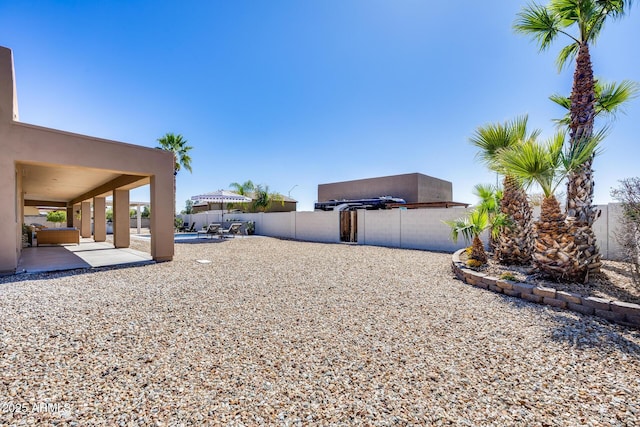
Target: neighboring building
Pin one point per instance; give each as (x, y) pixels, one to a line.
(48, 167)
(228, 200)
(413, 188)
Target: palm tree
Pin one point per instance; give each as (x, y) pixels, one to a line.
(178, 146)
(545, 24)
(244, 189)
(514, 243)
(470, 227)
(490, 197)
(610, 99)
(556, 247)
(263, 198)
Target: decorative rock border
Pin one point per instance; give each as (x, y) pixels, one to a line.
(625, 313)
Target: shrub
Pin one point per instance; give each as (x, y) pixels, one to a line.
(474, 263)
(57, 216)
(628, 234)
(508, 276)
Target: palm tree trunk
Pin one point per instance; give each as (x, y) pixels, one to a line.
(477, 250)
(581, 183)
(515, 243)
(556, 252)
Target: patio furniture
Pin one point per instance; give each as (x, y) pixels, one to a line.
(58, 236)
(188, 229)
(233, 230)
(211, 230)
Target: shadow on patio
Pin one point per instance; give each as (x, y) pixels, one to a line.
(88, 254)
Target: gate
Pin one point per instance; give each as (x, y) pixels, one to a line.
(349, 226)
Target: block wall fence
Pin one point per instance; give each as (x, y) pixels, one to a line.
(398, 228)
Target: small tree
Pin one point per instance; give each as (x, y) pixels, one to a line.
(188, 207)
(57, 217)
(490, 197)
(628, 235)
(470, 227)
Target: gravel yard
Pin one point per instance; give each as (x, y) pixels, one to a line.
(290, 333)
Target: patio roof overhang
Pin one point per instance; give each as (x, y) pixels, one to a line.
(48, 185)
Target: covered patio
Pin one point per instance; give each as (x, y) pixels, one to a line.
(75, 173)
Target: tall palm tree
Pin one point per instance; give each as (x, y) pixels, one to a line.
(556, 247)
(178, 146)
(515, 242)
(586, 19)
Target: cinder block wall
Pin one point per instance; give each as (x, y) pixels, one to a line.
(411, 228)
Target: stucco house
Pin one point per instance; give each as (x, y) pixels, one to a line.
(48, 167)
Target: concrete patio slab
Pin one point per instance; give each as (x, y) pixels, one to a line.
(88, 254)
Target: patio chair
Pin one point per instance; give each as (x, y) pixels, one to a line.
(233, 230)
(211, 230)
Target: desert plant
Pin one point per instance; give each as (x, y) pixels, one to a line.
(628, 234)
(470, 227)
(508, 276)
(490, 197)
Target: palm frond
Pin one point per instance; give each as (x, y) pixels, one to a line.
(493, 137)
(539, 22)
(582, 150)
(530, 162)
(611, 97)
(562, 101)
(469, 226)
(566, 55)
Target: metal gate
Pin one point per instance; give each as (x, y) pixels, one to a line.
(349, 226)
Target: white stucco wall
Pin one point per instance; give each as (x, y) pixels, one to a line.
(411, 229)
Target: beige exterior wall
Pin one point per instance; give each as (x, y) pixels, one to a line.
(26, 148)
(413, 188)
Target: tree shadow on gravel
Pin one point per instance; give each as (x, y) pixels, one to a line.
(583, 331)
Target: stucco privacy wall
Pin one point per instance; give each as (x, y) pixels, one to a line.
(25, 144)
(411, 229)
(309, 226)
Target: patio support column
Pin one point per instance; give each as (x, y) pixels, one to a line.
(162, 215)
(85, 219)
(76, 220)
(138, 218)
(99, 219)
(11, 225)
(121, 237)
(70, 216)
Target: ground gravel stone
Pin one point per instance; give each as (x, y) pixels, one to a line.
(286, 333)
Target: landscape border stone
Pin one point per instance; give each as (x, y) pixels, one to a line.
(621, 312)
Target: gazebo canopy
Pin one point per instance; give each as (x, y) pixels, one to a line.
(221, 196)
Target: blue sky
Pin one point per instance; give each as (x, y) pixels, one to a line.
(293, 93)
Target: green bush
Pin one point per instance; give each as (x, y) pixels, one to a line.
(57, 216)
